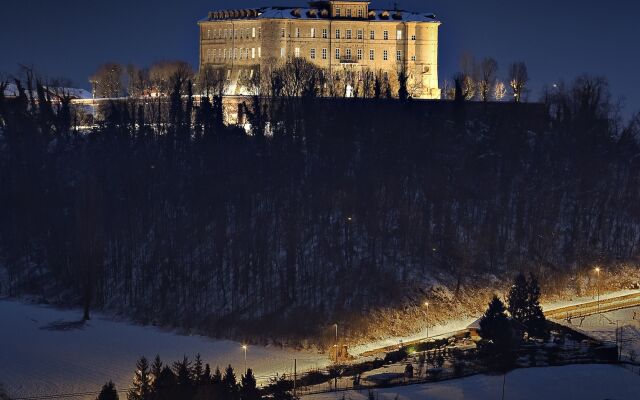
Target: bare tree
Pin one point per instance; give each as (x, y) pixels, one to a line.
(165, 75)
(518, 79)
(499, 90)
(488, 72)
(108, 80)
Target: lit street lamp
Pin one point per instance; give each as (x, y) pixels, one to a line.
(244, 347)
(336, 344)
(597, 269)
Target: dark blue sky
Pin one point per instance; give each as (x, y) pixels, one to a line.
(557, 38)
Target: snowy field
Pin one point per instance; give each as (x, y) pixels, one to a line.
(573, 382)
(46, 351)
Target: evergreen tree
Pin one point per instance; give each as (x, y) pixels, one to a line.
(217, 376)
(248, 388)
(230, 384)
(518, 299)
(182, 370)
(206, 375)
(197, 370)
(141, 389)
(108, 392)
(495, 326)
(536, 321)
(156, 369)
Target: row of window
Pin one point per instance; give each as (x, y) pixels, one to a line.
(347, 54)
(349, 12)
(228, 54)
(348, 34)
(243, 33)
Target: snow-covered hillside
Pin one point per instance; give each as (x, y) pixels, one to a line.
(583, 382)
(47, 351)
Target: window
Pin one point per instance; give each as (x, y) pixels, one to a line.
(413, 58)
(313, 32)
(359, 12)
(324, 34)
(324, 54)
(253, 32)
(337, 33)
(385, 35)
(348, 54)
(413, 37)
(225, 33)
(399, 55)
(282, 32)
(398, 35)
(208, 33)
(253, 52)
(296, 52)
(337, 12)
(224, 54)
(297, 32)
(259, 52)
(372, 55)
(313, 54)
(240, 55)
(348, 33)
(282, 52)
(359, 34)
(359, 52)
(337, 54)
(348, 13)
(235, 53)
(259, 32)
(385, 55)
(372, 35)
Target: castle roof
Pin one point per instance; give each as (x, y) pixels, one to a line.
(310, 13)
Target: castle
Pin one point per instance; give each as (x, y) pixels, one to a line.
(340, 36)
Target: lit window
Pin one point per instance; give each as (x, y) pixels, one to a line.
(253, 32)
(296, 52)
(359, 54)
(253, 52)
(241, 52)
(372, 55)
(324, 34)
(282, 52)
(348, 33)
(385, 55)
(313, 32)
(259, 52)
(385, 35)
(398, 35)
(337, 12)
(348, 54)
(208, 33)
(359, 34)
(324, 54)
(372, 35)
(399, 55)
(313, 54)
(337, 54)
(337, 33)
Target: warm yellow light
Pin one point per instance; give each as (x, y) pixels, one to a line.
(597, 269)
(426, 303)
(244, 346)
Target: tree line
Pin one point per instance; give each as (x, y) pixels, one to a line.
(326, 210)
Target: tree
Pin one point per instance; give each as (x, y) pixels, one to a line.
(517, 299)
(108, 80)
(518, 79)
(108, 392)
(156, 369)
(488, 71)
(248, 387)
(495, 326)
(536, 321)
(403, 91)
(197, 371)
(141, 389)
(499, 90)
(230, 384)
(182, 370)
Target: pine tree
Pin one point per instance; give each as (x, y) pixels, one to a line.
(248, 388)
(217, 376)
(108, 392)
(518, 299)
(230, 384)
(536, 321)
(206, 375)
(141, 389)
(156, 369)
(197, 370)
(495, 326)
(182, 370)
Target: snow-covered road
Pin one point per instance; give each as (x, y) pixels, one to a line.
(45, 351)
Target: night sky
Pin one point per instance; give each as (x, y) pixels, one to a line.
(558, 39)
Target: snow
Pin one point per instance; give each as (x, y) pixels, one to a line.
(47, 351)
(548, 306)
(584, 382)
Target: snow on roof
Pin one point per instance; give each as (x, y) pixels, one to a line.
(12, 91)
(308, 13)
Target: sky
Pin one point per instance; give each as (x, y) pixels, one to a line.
(558, 39)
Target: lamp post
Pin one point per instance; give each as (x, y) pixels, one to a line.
(336, 342)
(426, 303)
(244, 347)
(598, 287)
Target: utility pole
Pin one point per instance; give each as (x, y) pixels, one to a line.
(295, 376)
(335, 379)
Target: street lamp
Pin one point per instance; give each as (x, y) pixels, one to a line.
(426, 303)
(597, 269)
(336, 343)
(244, 347)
